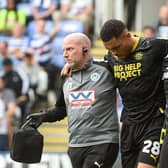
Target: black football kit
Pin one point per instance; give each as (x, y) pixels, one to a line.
(140, 84)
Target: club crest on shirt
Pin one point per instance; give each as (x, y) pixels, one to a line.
(138, 56)
(95, 76)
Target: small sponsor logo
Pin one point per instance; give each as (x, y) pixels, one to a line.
(82, 97)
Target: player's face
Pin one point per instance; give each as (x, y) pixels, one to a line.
(73, 54)
(119, 46)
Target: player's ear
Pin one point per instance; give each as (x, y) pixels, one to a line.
(84, 50)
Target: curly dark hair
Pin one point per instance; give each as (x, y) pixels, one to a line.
(111, 28)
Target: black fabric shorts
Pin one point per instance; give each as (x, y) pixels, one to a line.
(102, 156)
(141, 142)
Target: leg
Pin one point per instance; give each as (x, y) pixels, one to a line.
(101, 156)
(148, 157)
(76, 156)
(129, 159)
(129, 151)
(140, 144)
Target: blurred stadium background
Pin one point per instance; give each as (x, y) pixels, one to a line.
(55, 134)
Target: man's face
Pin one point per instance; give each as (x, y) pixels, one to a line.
(119, 46)
(73, 54)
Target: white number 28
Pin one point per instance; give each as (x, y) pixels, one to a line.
(151, 147)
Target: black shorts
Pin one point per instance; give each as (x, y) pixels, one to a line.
(141, 142)
(103, 155)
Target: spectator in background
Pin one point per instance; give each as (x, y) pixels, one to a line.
(38, 79)
(13, 68)
(18, 42)
(9, 16)
(4, 54)
(41, 44)
(162, 25)
(14, 82)
(7, 110)
(43, 9)
(148, 32)
(81, 10)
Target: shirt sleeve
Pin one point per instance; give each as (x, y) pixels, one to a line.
(59, 112)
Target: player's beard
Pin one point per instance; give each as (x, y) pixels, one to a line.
(71, 64)
(74, 65)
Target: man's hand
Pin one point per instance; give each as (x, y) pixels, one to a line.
(66, 70)
(36, 119)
